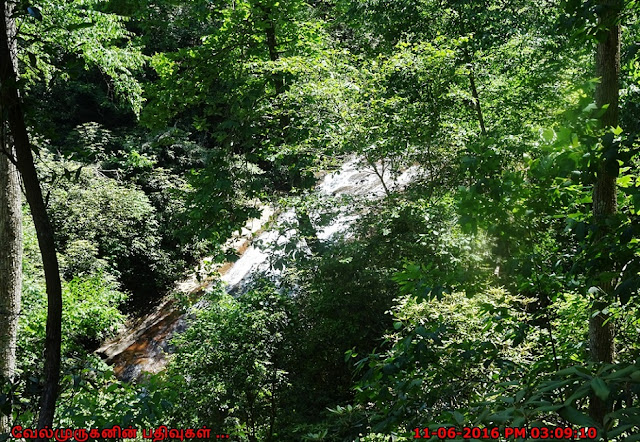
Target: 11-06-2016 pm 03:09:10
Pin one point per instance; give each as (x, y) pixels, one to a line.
(492, 433)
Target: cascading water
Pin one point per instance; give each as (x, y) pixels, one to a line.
(142, 347)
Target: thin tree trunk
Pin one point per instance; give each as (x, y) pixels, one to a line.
(601, 325)
(10, 101)
(308, 231)
(476, 102)
(272, 46)
(10, 243)
(380, 175)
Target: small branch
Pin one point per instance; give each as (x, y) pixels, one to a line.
(380, 177)
(476, 102)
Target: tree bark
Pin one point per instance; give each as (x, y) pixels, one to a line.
(308, 231)
(10, 266)
(601, 325)
(272, 46)
(10, 242)
(11, 103)
(476, 102)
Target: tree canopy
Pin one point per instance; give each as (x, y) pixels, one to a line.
(491, 283)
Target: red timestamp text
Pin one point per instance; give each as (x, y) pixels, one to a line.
(490, 433)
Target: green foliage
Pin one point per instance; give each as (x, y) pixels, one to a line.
(116, 223)
(442, 356)
(395, 116)
(87, 37)
(463, 299)
(220, 199)
(93, 307)
(90, 315)
(81, 258)
(561, 399)
(230, 364)
(93, 398)
(235, 95)
(344, 286)
(119, 218)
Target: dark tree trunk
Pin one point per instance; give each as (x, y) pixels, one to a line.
(308, 231)
(476, 102)
(272, 46)
(10, 102)
(601, 325)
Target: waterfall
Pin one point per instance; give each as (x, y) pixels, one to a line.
(142, 347)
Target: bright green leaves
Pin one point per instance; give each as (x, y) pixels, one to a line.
(220, 198)
(93, 398)
(90, 306)
(163, 65)
(578, 155)
(79, 30)
(443, 354)
(395, 115)
(229, 72)
(230, 363)
(243, 91)
(261, 93)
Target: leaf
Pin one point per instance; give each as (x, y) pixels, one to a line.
(636, 201)
(630, 370)
(547, 408)
(574, 416)
(600, 388)
(420, 330)
(625, 180)
(34, 12)
(619, 430)
(574, 370)
(32, 60)
(548, 135)
(77, 26)
(626, 289)
(389, 369)
(580, 393)
(593, 290)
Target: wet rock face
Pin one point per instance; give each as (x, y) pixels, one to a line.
(143, 347)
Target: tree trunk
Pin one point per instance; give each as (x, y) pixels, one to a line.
(10, 266)
(10, 102)
(10, 244)
(272, 46)
(308, 231)
(601, 325)
(476, 102)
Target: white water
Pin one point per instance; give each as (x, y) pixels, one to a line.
(141, 347)
(351, 180)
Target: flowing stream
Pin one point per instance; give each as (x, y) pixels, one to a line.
(145, 342)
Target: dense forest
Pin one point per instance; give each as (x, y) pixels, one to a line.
(488, 291)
